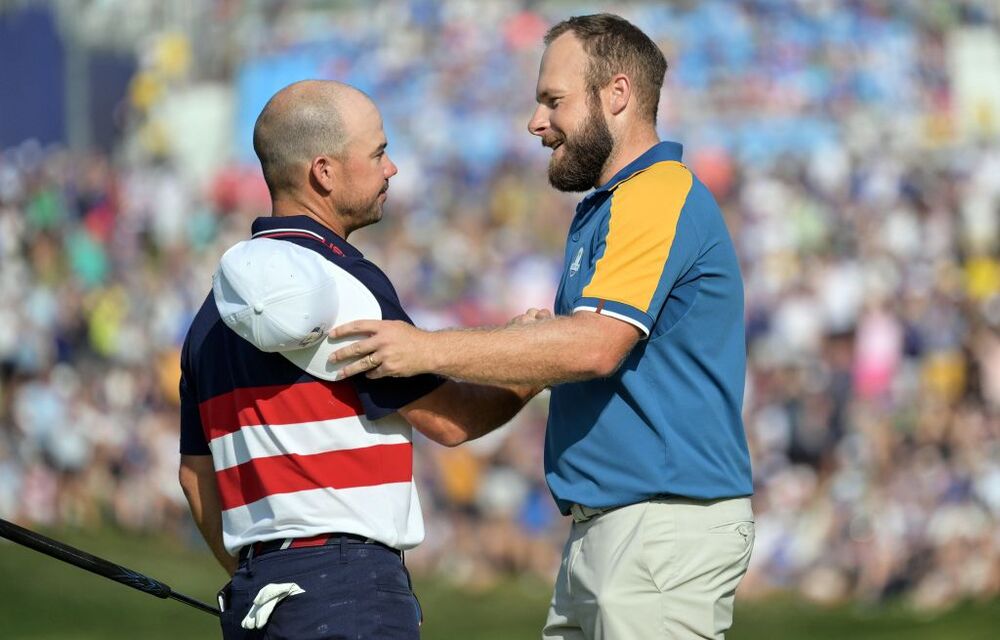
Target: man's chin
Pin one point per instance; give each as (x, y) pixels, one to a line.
(568, 183)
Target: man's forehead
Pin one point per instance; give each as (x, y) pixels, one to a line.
(368, 139)
(363, 120)
(564, 64)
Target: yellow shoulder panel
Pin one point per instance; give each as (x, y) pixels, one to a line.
(644, 214)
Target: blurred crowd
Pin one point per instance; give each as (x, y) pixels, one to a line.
(868, 229)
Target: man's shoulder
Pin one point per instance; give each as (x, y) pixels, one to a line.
(375, 280)
(652, 197)
(660, 180)
(205, 320)
(671, 189)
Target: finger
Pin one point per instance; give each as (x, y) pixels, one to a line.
(358, 349)
(354, 328)
(377, 372)
(352, 369)
(544, 314)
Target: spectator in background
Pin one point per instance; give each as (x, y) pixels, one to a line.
(831, 135)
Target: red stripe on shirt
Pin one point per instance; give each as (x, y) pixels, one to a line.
(364, 467)
(278, 404)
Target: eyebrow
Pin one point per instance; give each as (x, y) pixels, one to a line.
(380, 148)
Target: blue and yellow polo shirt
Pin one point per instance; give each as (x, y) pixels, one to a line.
(651, 248)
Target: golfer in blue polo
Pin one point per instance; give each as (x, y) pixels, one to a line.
(645, 447)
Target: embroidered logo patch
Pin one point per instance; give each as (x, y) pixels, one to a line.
(314, 336)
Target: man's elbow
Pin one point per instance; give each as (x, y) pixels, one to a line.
(187, 479)
(437, 428)
(600, 364)
(191, 478)
(452, 438)
(445, 433)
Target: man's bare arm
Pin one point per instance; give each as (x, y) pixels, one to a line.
(197, 478)
(563, 349)
(457, 412)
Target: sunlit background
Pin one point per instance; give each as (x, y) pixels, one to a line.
(854, 147)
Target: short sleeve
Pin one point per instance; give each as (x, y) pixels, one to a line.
(193, 441)
(642, 252)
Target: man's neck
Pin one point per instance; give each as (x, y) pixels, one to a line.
(290, 206)
(627, 150)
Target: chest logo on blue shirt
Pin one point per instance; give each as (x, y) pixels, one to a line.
(575, 265)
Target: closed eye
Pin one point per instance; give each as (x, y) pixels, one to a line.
(549, 100)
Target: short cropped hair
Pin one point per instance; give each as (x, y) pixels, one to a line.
(286, 138)
(614, 46)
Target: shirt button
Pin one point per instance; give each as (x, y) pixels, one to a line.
(258, 307)
(576, 236)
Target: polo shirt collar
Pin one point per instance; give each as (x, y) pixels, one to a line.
(660, 152)
(302, 224)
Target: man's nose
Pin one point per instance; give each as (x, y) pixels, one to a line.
(539, 121)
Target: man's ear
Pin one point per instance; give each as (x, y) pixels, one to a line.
(321, 173)
(620, 93)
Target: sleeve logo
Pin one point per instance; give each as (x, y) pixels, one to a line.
(577, 259)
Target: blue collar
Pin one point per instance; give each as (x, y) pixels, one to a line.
(305, 226)
(659, 152)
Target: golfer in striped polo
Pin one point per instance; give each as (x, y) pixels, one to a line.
(302, 485)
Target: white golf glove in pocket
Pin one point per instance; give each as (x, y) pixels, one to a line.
(265, 602)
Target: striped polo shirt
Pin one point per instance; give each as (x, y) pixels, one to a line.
(650, 248)
(294, 455)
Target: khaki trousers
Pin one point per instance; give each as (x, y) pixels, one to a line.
(667, 568)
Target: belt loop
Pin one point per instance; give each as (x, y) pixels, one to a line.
(250, 555)
(343, 550)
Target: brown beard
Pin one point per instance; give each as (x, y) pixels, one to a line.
(584, 156)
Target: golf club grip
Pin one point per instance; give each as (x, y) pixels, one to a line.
(82, 559)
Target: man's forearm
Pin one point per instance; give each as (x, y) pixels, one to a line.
(197, 479)
(457, 412)
(541, 354)
(486, 408)
(211, 531)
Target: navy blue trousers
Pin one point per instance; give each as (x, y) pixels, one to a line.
(352, 590)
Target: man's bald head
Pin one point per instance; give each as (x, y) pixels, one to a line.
(302, 121)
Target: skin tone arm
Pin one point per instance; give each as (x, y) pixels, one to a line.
(197, 478)
(457, 412)
(549, 351)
